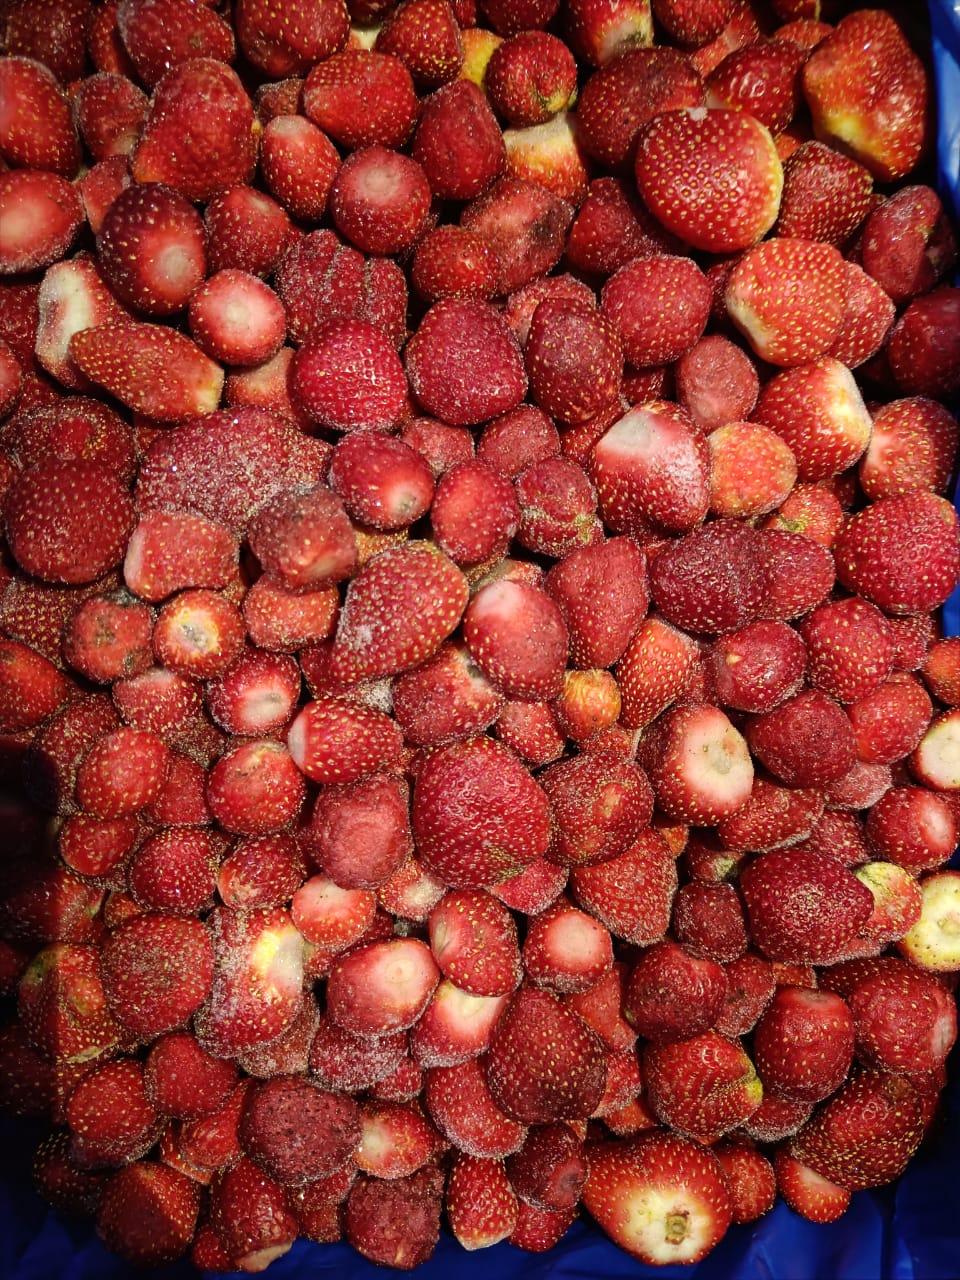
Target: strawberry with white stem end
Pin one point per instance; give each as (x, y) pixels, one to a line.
(517, 637)
(661, 1197)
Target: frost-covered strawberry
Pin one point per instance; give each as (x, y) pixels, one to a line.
(148, 1213)
(145, 1004)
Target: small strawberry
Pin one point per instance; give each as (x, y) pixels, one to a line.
(544, 1064)
(702, 1087)
(661, 1197)
(31, 687)
(289, 43)
(381, 987)
(850, 650)
(530, 77)
(732, 177)
(762, 78)
(498, 624)
(110, 1118)
(480, 1202)
(424, 35)
(826, 194)
(41, 214)
(36, 122)
(450, 262)
(148, 1213)
(299, 164)
(631, 894)
(524, 224)
(654, 670)
(296, 1131)
(182, 1080)
(599, 30)
(671, 994)
(54, 33)
(199, 109)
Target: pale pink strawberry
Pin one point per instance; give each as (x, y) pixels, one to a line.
(41, 214)
(732, 177)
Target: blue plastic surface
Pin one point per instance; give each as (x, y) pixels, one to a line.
(907, 1232)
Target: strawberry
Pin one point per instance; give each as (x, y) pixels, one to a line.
(750, 1178)
(360, 98)
(31, 687)
(251, 1215)
(474, 513)
(803, 906)
(382, 481)
(549, 154)
(456, 339)
(198, 633)
(762, 78)
(908, 243)
(161, 34)
(806, 1192)
(299, 164)
(566, 950)
(864, 1135)
(122, 773)
(460, 1104)
(182, 1080)
(41, 214)
(395, 1140)
(923, 351)
(912, 827)
(394, 1223)
(480, 1202)
(458, 142)
(198, 109)
(708, 920)
(599, 30)
(806, 741)
(509, 17)
(679, 1188)
(332, 741)
(385, 603)
(474, 941)
(850, 650)
(634, 298)
(732, 177)
(530, 77)
(53, 33)
(36, 122)
(901, 553)
(111, 1121)
(912, 440)
(826, 194)
(600, 805)
(257, 985)
(424, 35)
(929, 942)
(867, 318)
(148, 1213)
(544, 1063)
(110, 111)
(671, 994)
(174, 871)
(630, 894)
(326, 1125)
(304, 540)
(478, 816)
(156, 972)
(787, 297)
(692, 24)
(753, 470)
(450, 262)
(255, 788)
(803, 1044)
(497, 626)
(573, 389)
(818, 409)
(62, 1008)
(454, 1027)
(247, 230)
(171, 550)
(524, 224)
(702, 1087)
(291, 42)
(381, 987)
(868, 94)
(773, 816)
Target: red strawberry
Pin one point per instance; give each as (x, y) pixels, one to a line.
(912, 440)
(480, 1202)
(653, 671)
(635, 299)
(53, 32)
(31, 687)
(332, 741)
(450, 262)
(923, 350)
(110, 1117)
(672, 994)
(497, 626)
(544, 1063)
(156, 972)
(148, 1213)
(383, 482)
(803, 1044)
(36, 122)
(632, 893)
(806, 741)
(160, 34)
(378, 807)
(850, 649)
(717, 382)
(531, 77)
(762, 78)
(474, 941)
(464, 364)
(826, 194)
(151, 369)
(683, 1206)
(600, 806)
(297, 1132)
(901, 552)
(474, 513)
(478, 816)
(808, 1193)
(524, 224)
(803, 907)
(732, 177)
(182, 1080)
(425, 36)
(251, 1215)
(299, 164)
(867, 318)
(198, 110)
(290, 42)
(573, 389)
(255, 788)
(460, 1104)
(566, 950)
(41, 214)
(708, 919)
(862, 74)
(62, 1008)
(454, 1027)
(396, 1139)
(246, 230)
(703, 1086)
(787, 297)
(109, 110)
(864, 1135)
(750, 1178)
(458, 142)
(394, 1223)
(599, 30)
(908, 243)
(360, 98)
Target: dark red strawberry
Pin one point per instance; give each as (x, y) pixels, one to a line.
(156, 972)
(290, 42)
(458, 142)
(36, 123)
(425, 36)
(702, 1087)
(394, 1223)
(148, 1213)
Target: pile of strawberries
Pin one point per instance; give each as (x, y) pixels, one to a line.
(477, 741)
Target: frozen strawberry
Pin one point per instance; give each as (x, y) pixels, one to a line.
(62, 1008)
(773, 816)
(198, 633)
(454, 1027)
(31, 687)
(175, 871)
(246, 231)
(156, 972)
(753, 470)
(930, 942)
(396, 1222)
(480, 1202)
(849, 648)
(255, 788)
(653, 671)
(148, 1213)
(299, 164)
(383, 482)
(630, 894)
(73, 1192)
(549, 1170)
(717, 382)
(572, 390)
(762, 78)
(868, 94)
(291, 42)
(551, 155)
(783, 740)
(330, 916)
(320, 279)
(160, 34)
(635, 299)
(787, 297)
(424, 35)
(508, 17)
(538, 1230)
(912, 827)
(122, 773)
(261, 871)
(684, 1206)
(360, 97)
(199, 109)
(530, 77)
(922, 348)
(499, 624)
(908, 243)
(566, 950)
(803, 906)
(251, 1215)
(450, 262)
(258, 980)
(651, 467)
(360, 834)
(524, 224)
(819, 411)
(897, 901)
(803, 1044)
(344, 1061)
(256, 695)
(600, 806)
(395, 1140)
(474, 941)
(109, 111)
(865, 1134)
(588, 705)
(733, 177)
(544, 1063)
(380, 200)
(923, 568)
(826, 194)
(702, 1087)
(237, 319)
(710, 580)
(383, 987)
(478, 816)
(806, 1192)
(36, 122)
(599, 30)
(349, 377)
(798, 573)
(531, 730)
(708, 920)
(296, 1131)
(867, 317)
(229, 465)
(41, 215)
(158, 701)
(671, 994)
(111, 1120)
(474, 513)
(912, 440)
(458, 142)
(750, 1178)
(182, 1080)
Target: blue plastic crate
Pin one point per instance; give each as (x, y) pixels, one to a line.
(910, 1231)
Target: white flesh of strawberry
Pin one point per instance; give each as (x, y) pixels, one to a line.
(264, 706)
(633, 30)
(573, 943)
(662, 1226)
(455, 1025)
(936, 760)
(934, 941)
(712, 763)
(72, 297)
